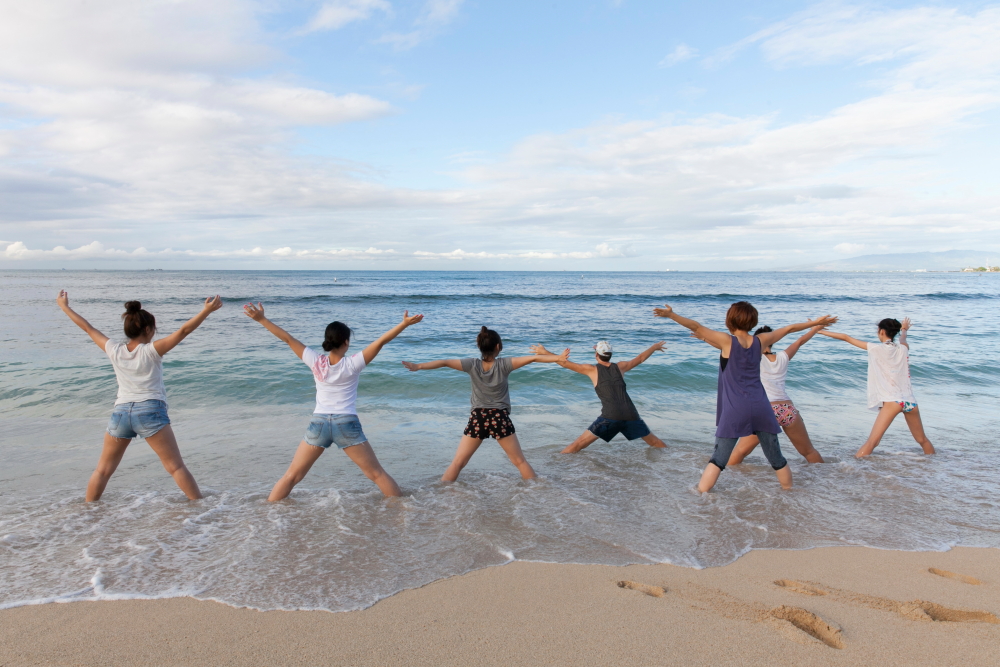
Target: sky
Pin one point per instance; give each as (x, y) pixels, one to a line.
(473, 135)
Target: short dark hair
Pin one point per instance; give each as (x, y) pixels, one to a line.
(890, 326)
(489, 343)
(136, 320)
(763, 329)
(604, 357)
(337, 333)
(741, 316)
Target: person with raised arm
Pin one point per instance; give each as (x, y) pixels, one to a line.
(335, 419)
(773, 370)
(889, 388)
(490, 417)
(742, 407)
(618, 413)
(141, 406)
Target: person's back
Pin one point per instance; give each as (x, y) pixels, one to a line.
(742, 406)
(336, 384)
(490, 388)
(772, 376)
(139, 372)
(611, 389)
(888, 374)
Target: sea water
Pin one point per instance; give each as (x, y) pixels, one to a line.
(240, 402)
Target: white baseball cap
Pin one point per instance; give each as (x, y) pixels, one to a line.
(603, 348)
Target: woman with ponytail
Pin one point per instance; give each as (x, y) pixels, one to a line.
(335, 420)
(490, 416)
(141, 406)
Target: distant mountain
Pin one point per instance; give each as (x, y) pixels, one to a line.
(947, 260)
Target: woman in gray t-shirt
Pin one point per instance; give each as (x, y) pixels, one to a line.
(490, 416)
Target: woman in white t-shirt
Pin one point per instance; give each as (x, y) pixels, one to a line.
(335, 420)
(889, 390)
(773, 370)
(141, 406)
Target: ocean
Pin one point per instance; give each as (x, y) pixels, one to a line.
(240, 402)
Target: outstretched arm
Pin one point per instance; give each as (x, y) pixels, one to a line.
(431, 365)
(626, 366)
(802, 340)
(772, 337)
(518, 362)
(844, 337)
(584, 369)
(375, 347)
(164, 345)
(902, 332)
(710, 336)
(256, 313)
(95, 335)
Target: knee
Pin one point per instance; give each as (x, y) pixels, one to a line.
(173, 466)
(104, 470)
(375, 474)
(720, 466)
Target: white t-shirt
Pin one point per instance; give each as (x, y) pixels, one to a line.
(139, 372)
(337, 384)
(772, 376)
(888, 374)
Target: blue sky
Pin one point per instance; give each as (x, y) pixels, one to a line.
(458, 134)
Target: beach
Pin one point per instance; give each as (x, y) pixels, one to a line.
(830, 606)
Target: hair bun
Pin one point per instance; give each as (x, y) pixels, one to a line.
(133, 306)
(483, 330)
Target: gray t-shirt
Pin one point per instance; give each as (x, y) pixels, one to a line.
(489, 388)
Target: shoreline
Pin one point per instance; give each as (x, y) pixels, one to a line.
(824, 605)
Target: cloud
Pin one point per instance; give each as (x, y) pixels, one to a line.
(849, 248)
(680, 54)
(433, 17)
(95, 250)
(602, 251)
(337, 14)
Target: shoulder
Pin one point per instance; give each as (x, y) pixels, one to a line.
(149, 350)
(112, 346)
(467, 363)
(358, 360)
(781, 357)
(309, 355)
(506, 362)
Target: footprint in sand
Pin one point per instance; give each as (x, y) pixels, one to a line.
(917, 610)
(811, 624)
(654, 591)
(954, 575)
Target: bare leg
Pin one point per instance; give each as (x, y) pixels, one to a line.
(785, 477)
(585, 440)
(917, 430)
(709, 477)
(164, 444)
(305, 457)
(653, 441)
(111, 456)
(797, 433)
(467, 446)
(742, 449)
(512, 446)
(882, 421)
(364, 456)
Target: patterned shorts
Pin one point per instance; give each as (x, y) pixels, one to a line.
(489, 423)
(906, 405)
(786, 413)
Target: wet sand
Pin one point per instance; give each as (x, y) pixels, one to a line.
(848, 605)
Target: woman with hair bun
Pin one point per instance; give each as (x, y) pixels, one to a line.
(335, 419)
(141, 406)
(490, 416)
(742, 406)
(889, 388)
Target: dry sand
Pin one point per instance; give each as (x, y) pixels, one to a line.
(829, 606)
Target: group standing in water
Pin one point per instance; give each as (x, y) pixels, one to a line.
(752, 404)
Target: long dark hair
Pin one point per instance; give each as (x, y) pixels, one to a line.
(337, 333)
(489, 343)
(136, 320)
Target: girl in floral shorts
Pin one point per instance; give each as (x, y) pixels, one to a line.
(490, 416)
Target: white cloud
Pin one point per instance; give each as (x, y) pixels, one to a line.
(96, 250)
(849, 248)
(433, 17)
(680, 54)
(602, 251)
(335, 15)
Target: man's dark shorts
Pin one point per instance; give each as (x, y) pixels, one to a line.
(605, 429)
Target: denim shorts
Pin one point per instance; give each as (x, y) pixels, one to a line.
(341, 430)
(768, 443)
(605, 429)
(142, 419)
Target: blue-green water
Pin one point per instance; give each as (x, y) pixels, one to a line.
(240, 401)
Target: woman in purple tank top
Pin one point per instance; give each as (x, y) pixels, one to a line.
(742, 406)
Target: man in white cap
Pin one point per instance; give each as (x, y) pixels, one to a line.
(618, 413)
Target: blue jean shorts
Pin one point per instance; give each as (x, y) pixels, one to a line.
(142, 419)
(341, 430)
(605, 429)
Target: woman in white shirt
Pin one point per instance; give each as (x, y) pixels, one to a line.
(141, 406)
(889, 389)
(335, 420)
(773, 370)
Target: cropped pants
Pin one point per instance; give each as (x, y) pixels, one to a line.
(768, 443)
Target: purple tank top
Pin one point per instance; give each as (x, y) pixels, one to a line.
(742, 407)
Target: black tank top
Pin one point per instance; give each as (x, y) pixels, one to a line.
(610, 388)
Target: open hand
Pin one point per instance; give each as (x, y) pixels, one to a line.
(63, 299)
(659, 347)
(824, 321)
(663, 312)
(905, 323)
(564, 356)
(409, 321)
(538, 349)
(213, 303)
(410, 366)
(255, 313)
